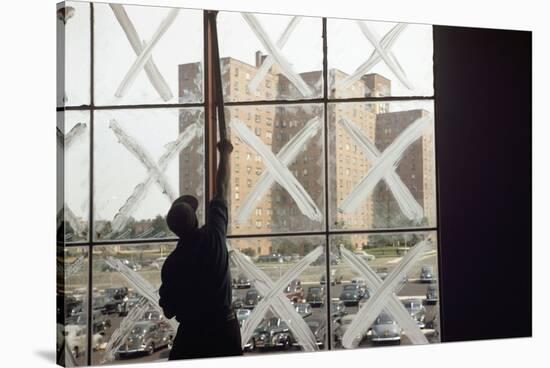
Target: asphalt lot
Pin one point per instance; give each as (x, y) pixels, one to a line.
(310, 277)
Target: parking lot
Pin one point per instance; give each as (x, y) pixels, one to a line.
(411, 288)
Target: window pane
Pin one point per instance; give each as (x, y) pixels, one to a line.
(270, 57)
(277, 169)
(145, 159)
(73, 53)
(375, 301)
(295, 317)
(125, 280)
(387, 59)
(382, 171)
(73, 143)
(72, 307)
(170, 71)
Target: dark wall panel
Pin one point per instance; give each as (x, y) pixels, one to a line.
(483, 143)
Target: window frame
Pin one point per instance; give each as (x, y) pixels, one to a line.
(210, 160)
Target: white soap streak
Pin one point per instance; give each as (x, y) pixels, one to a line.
(145, 233)
(70, 360)
(74, 133)
(394, 306)
(373, 39)
(275, 299)
(65, 141)
(154, 75)
(386, 43)
(386, 163)
(286, 155)
(172, 149)
(145, 53)
(140, 285)
(280, 172)
(406, 201)
(269, 60)
(278, 57)
(75, 223)
(74, 267)
(121, 333)
(380, 299)
(144, 157)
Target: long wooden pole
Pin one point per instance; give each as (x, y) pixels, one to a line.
(222, 129)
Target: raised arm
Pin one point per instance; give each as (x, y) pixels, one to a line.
(222, 177)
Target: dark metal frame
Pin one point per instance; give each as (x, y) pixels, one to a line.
(209, 105)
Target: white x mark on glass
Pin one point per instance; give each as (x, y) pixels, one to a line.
(274, 50)
(385, 164)
(279, 170)
(286, 156)
(406, 201)
(155, 172)
(149, 297)
(382, 51)
(65, 141)
(275, 299)
(394, 305)
(384, 297)
(143, 51)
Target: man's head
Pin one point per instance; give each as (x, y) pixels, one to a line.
(182, 216)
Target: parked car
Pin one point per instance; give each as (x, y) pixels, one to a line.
(342, 325)
(337, 309)
(272, 333)
(319, 328)
(431, 294)
(294, 291)
(124, 308)
(152, 315)
(242, 282)
(242, 315)
(134, 266)
(119, 293)
(351, 294)
(427, 274)
(385, 329)
(76, 339)
(106, 305)
(316, 296)
(145, 337)
(236, 302)
(252, 298)
(100, 324)
(303, 309)
(72, 305)
(416, 310)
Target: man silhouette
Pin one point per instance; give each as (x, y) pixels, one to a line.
(196, 280)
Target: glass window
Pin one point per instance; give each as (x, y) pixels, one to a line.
(149, 172)
(294, 265)
(387, 59)
(147, 55)
(125, 281)
(72, 307)
(73, 144)
(369, 167)
(275, 174)
(405, 311)
(73, 54)
(395, 182)
(282, 54)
